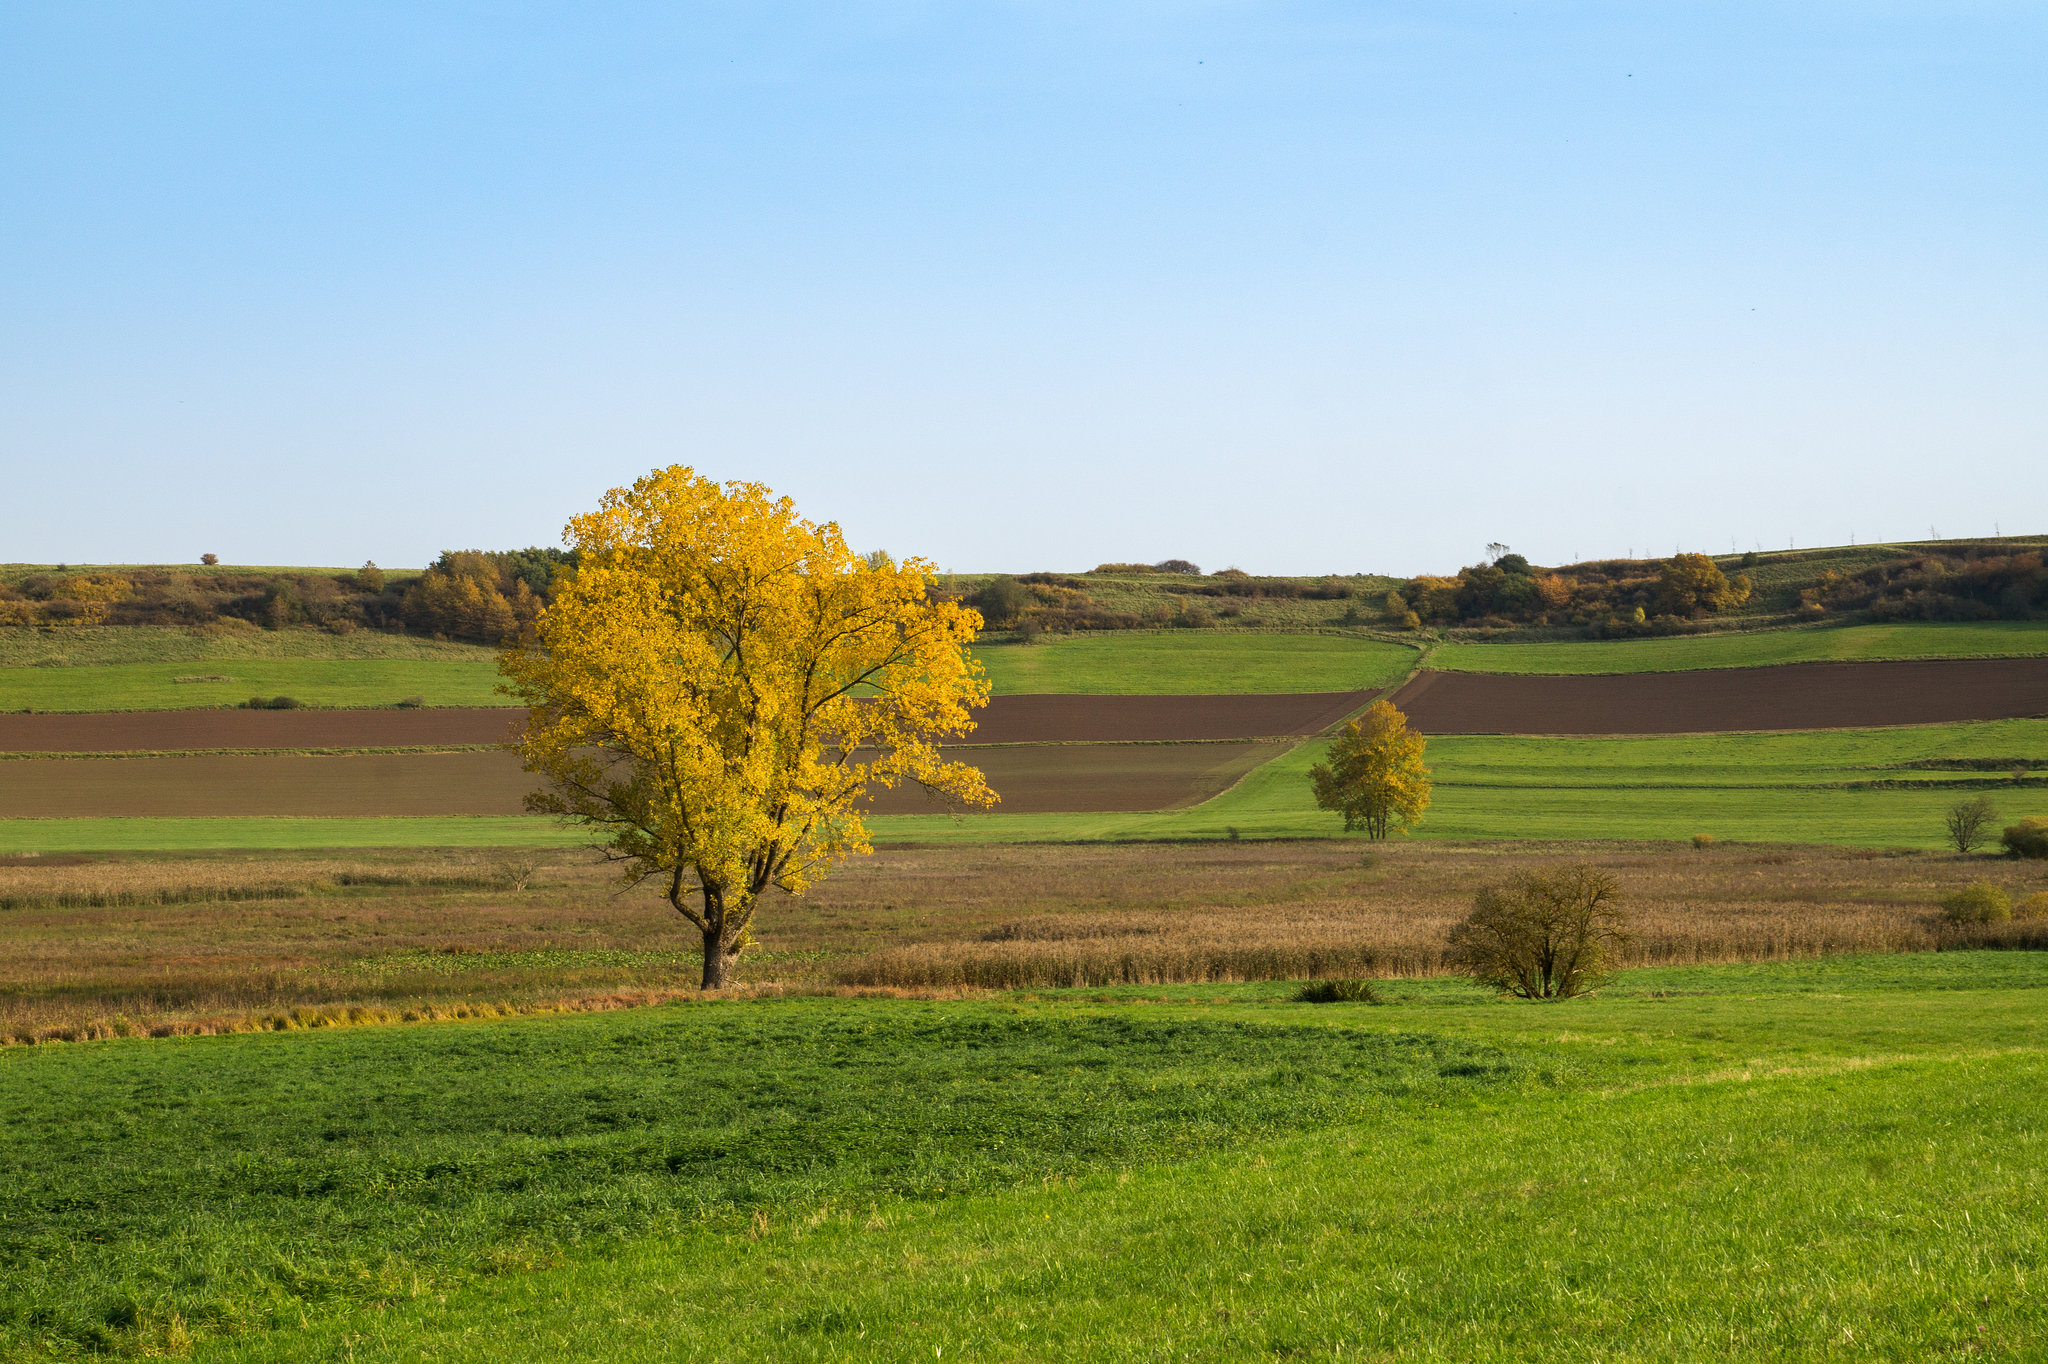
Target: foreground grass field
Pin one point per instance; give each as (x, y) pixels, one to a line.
(1822, 1159)
(1682, 653)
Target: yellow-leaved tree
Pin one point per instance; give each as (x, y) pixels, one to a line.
(1692, 583)
(718, 684)
(1375, 777)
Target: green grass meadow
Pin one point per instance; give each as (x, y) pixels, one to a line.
(115, 668)
(1195, 662)
(1682, 653)
(314, 681)
(74, 646)
(1840, 1159)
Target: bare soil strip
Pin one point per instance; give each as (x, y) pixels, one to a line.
(1083, 778)
(1056, 718)
(1030, 779)
(1788, 696)
(164, 730)
(1006, 720)
(265, 784)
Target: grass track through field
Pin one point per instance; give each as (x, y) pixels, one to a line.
(1681, 653)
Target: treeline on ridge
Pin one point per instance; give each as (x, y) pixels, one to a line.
(482, 595)
(1600, 599)
(487, 596)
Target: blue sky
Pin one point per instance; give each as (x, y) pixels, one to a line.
(1298, 287)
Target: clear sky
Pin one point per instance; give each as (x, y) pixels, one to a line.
(1298, 287)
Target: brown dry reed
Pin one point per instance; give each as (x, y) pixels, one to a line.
(102, 947)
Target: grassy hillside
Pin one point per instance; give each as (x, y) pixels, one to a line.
(1681, 653)
(141, 667)
(1207, 1171)
(1196, 662)
(92, 645)
(227, 682)
(1780, 574)
(147, 667)
(14, 573)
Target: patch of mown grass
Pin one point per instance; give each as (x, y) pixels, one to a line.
(235, 1183)
(1683, 653)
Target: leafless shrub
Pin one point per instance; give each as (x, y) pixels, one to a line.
(1969, 822)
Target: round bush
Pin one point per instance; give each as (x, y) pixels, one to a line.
(2034, 907)
(2028, 838)
(1980, 902)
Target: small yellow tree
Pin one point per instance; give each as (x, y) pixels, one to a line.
(1375, 777)
(720, 682)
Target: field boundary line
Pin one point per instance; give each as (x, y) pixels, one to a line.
(1305, 740)
(39, 755)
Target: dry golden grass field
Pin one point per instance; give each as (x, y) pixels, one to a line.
(198, 942)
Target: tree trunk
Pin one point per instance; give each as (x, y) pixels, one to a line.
(718, 936)
(717, 961)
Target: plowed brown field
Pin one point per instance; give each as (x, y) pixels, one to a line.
(166, 730)
(1030, 779)
(1006, 720)
(1080, 778)
(1134, 719)
(1789, 696)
